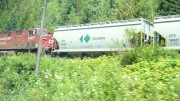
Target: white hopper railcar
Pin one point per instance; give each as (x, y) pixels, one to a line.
(98, 38)
(168, 29)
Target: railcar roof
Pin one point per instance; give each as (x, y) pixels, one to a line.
(103, 24)
(167, 18)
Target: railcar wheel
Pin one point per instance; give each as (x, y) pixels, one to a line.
(54, 54)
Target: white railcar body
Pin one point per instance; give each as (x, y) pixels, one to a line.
(99, 37)
(169, 28)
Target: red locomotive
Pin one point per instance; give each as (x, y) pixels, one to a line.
(26, 40)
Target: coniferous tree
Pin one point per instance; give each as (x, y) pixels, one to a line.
(73, 18)
(26, 14)
(169, 7)
(53, 15)
(128, 9)
(103, 11)
(81, 9)
(148, 9)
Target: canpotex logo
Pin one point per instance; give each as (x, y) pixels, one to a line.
(86, 38)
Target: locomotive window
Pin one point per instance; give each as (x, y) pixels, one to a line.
(42, 32)
(9, 33)
(18, 32)
(31, 32)
(49, 33)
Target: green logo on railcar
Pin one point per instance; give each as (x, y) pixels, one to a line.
(87, 38)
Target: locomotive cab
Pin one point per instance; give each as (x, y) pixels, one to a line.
(46, 39)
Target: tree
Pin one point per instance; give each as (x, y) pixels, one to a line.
(103, 11)
(128, 9)
(64, 7)
(73, 18)
(137, 8)
(20, 14)
(134, 37)
(26, 14)
(8, 15)
(98, 10)
(169, 7)
(148, 9)
(53, 15)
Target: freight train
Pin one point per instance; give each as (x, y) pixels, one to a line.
(96, 38)
(105, 37)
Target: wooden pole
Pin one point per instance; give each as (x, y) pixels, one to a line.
(40, 41)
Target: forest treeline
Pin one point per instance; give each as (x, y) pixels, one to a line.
(26, 14)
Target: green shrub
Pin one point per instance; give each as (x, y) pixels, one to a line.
(99, 79)
(147, 53)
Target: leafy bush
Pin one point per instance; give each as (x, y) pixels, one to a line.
(102, 78)
(147, 53)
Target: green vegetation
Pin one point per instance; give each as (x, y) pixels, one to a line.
(145, 74)
(169, 7)
(26, 14)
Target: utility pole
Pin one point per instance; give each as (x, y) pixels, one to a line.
(40, 41)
